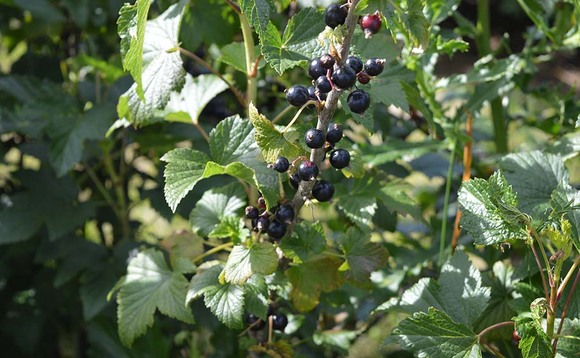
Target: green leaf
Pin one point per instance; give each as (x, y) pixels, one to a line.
(231, 227)
(131, 29)
(565, 199)
(439, 10)
(534, 343)
(434, 334)
(149, 285)
(394, 149)
(538, 11)
(226, 302)
(389, 92)
(256, 296)
(232, 141)
(272, 143)
(534, 176)
(569, 344)
(297, 45)
(366, 119)
(340, 339)
(234, 54)
(203, 88)
(359, 202)
(257, 12)
(362, 256)
(162, 70)
(416, 22)
(243, 262)
(215, 205)
(489, 211)
(306, 241)
(393, 195)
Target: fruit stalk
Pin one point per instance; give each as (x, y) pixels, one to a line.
(327, 112)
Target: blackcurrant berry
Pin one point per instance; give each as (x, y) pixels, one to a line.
(261, 202)
(358, 101)
(281, 165)
(261, 224)
(316, 95)
(371, 24)
(315, 69)
(277, 230)
(279, 322)
(334, 133)
(323, 84)
(307, 170)
(295, 180)
(297, 95)
(374, 66)
(344, 77)
(252, 212)
(335, 15)
(363, 77)
(355, 63)
(323, 190)
(327, 61)
(285, 213)
(340, 158)
(255, 322)
(314, 138)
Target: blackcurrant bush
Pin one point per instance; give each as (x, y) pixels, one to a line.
(355, 63)
(281, 165)
(363, 77)
(307, 170)
(285, 213)
(327, 61)
(277, 230)
(323, 84)
(314, 138)
(255, 322)
(315, 69)
(344, 77)
(323, 190)
(252, 212)
(339, 158)
(295, 180)
(335, 15)
(371, 24)
(334, 133)
(358, 101)
(261, 223)
(374, 66)
(297, 95)
(279, 322)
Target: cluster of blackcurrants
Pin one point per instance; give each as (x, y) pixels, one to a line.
(279, 321)
(274, 222)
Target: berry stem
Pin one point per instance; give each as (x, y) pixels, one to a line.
(325, 115)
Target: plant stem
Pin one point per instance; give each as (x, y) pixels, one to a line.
(565, 311)
(201, 131)
(446, 202)
(282, 113)
(252, 88)
(494, 326)
(568, 276)
(537, 258)
(213, 251)
(119, 188)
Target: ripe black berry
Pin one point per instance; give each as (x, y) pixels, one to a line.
(363, 77)
(297, 95)
(316, 95)
(340, 158)
(255, 322)
(307, 170)
(285, 213)
(281, 165)
(277, 230)
(358, 101)
(327, 61)
(374, 66)
(261, 223)
(323, 190)
(371, 24)
(252, 212)
(279, 322)
(314, 138)
(323, 84)
(315, 69)
(355, 63)
(295, 180)
(344, 77)
(335, 15)
(334, 133)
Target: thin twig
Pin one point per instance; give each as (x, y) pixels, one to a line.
(567, 278)
(565, 310)
(209, 252)
(201, 130)
(544, 284)
(492, 327)
(282, 113)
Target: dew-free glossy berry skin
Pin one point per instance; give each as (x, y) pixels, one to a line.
(358, 101)
(281, 165)
(355, 63)
(279, 322)
(295, 180)
(339, 158)
(252, 212)
(363, 77)
(316, 95)
(297, 95)
(307, 170)
(371, 24)
(327, 61)
(255, 322)
(315, 69)
(323, 84)
(334, 133)
(285, 213)
(261, 224)
(277, 230)
(374, 66)
(335, 15)
(344, 77)
(314, 138)
(323, 190)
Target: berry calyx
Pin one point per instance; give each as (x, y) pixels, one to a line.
(277, 230)
(261, 224)
(281, 165)
(344, 77)
(334, 133)
(279, 322)
(335, 15)
(355, 63)
(307, 170)
(327, 61)
(358, 101)
(314, 138)
(297, 95)
(371, 24)
(323, 190)
(261, 202)
(315, 69)
(339, 158)
(323, 84)
(284, 213)
(374, 66)
(252, 212)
